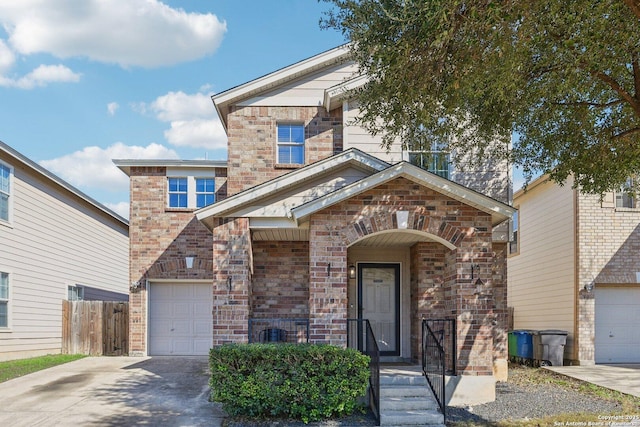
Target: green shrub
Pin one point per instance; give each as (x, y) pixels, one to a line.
(308, 382)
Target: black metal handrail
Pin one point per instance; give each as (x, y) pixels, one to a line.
(365, 341)
(445, 332)
(275, 330)
(434, 365)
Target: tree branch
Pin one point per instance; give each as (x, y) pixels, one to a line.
(636, 73)
(626, 133)
(634, 5)
(605, 78)
(590, 104)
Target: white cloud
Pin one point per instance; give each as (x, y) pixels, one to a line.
(121, 208)
(92, 167)
(194, 122)
(43, 75)
(7, 58)
(112, 107)
(143, 33)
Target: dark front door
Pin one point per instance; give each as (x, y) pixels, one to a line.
(379, 302)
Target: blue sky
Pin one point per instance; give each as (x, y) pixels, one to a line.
(86, 81)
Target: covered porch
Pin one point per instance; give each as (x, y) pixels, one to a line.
(418, 247)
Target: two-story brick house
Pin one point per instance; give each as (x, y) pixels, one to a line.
(314, 220)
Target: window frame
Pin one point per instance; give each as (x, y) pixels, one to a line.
(433, 156)
(291, 144)
(178, 192)
(624, 195)
(9, 195)
(192, 175)
(211, 193)
(78, 292)
(514, 233)
(7, 300)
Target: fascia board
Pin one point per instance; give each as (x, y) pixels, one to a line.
(338, 92)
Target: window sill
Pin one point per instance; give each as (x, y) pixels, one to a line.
(5, 330)
(288, 166)
(6, 223)
(626, 209)
(183, 210)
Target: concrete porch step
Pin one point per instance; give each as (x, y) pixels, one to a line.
(406, 399)
(411, 418)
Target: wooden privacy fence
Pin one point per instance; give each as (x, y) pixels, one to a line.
(96, 328)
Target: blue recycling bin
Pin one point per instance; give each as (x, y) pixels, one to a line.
(520, 346)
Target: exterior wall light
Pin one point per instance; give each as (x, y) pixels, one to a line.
(352, 271)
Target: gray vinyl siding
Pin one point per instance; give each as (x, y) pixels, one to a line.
(307, 91)
(56, 239)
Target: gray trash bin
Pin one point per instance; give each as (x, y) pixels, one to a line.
(548, 347)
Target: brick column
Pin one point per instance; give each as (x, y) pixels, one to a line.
(474, 304)
(327, 284)
(231, 282)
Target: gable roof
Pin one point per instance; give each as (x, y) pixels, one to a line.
(499, 211)
(48, 176)
(224, 100)
(378, 172)
(291, 180)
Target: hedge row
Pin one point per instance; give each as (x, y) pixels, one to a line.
(308, 382)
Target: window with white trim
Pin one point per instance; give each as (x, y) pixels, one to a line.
(290, 143)
(178, 193)
(190, 189)
(205, 192)
(4, 300)
(435, 159)
(625, 197)
(514, 243)
(6, 173)
(75, 293)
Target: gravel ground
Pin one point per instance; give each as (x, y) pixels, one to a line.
(516, 399)
(517, 402)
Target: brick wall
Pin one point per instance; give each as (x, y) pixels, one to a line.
(280, 279)
(608, 245)
(468, 229)
(252, 141)
(159, 240)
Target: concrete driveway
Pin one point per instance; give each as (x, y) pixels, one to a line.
(113, 391)
(622, 378)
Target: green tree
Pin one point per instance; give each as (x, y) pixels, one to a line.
(561, 75)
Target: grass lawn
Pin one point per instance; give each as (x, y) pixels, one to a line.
(17, 368)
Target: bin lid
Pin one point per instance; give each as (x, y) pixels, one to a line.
(552, 332)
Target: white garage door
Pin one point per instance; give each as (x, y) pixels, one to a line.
(180, 320)
(617, 325)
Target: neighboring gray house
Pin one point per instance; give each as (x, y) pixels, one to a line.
(576, 266)
(56, 243)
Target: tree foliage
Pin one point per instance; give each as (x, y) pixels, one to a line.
(562, 76)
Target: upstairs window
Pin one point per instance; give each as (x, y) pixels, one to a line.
(435, 159)
(290, 143)
(4, 300)
(514, 243)
(191, 191)
(75, 293)
(625, 198)
(5, 191)
(205, 192)
(178, 193)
